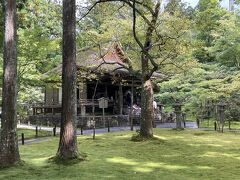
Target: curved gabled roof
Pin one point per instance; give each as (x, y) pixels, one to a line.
(102, 61)
(111, 60)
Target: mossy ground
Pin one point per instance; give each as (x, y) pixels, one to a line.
(188, 154)
(31, 134)
(234, 125)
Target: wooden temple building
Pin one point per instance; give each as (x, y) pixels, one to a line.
(101, 73)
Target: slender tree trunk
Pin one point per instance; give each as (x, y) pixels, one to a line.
(9, 153)
(147, 113)
(146, 102)
(68, 141)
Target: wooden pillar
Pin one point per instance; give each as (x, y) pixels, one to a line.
(131, 109)
(106, 91)
(53, 95)
(45, 95)
(60, 95)
(116, 102)
(120, 99)
(83, 96)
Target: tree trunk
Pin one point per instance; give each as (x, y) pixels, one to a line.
(68, 141)
(9, 153)
(147, 109)
(178, 118)
(147, 114)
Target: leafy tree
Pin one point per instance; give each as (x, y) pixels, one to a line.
(226, 47)
(177, 6)
(39, 37)
(39, 40)
(208, 14)
(233, 109)
(199, 84)
(158, 42)
(2, 25)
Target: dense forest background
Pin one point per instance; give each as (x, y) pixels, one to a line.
(203, 66)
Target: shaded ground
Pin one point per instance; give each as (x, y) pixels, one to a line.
(35, 140)
(234, 125)
(104, 130)
(30, 133)
(187, 154)
(45, 133)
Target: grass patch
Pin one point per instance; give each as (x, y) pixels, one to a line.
(210, 124)
(187, 154)
(178, 129)
(31, 134)
(59, 161)
(199, 134)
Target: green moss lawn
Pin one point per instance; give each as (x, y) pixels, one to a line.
(188, 154)
(31, 134)
(235, 125)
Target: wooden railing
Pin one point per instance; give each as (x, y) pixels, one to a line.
(87, 102)
(80, 102)
(83, 121)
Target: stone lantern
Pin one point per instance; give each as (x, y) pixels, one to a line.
(160, 107)
(160, 111)
(178, 112)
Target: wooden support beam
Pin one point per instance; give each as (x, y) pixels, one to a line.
(120, 99)
(105, 91)
(131, 109)
(83, 95)
(45, 95)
